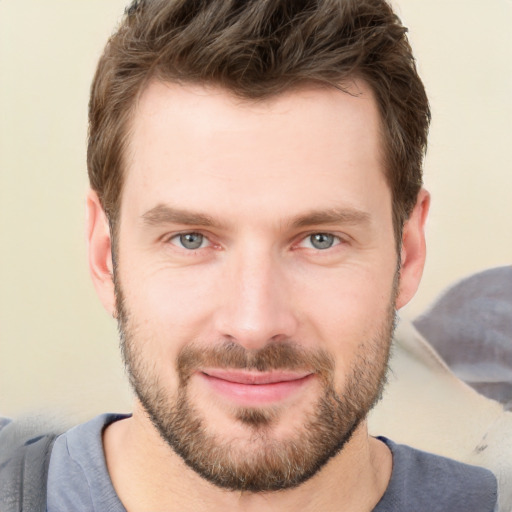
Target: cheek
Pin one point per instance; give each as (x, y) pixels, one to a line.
(346, 308)
(170, 305)
(164, 315)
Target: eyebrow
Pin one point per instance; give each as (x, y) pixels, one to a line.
(163, 214)
(348, 216)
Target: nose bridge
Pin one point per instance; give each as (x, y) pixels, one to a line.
(256, 308)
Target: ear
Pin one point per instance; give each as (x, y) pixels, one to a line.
(413, 250)
(100, 252)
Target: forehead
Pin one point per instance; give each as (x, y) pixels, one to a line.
(189, 143)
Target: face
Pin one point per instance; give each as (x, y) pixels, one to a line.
(256, 276)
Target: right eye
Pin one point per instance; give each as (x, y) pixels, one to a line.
(190, 241)
(320, 241)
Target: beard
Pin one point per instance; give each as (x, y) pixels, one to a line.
(261, 462)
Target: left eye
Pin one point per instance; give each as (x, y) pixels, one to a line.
(190, 241)
(321, 241)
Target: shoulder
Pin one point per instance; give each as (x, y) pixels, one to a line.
(78, 477)
(422, 481)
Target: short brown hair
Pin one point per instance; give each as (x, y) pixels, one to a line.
(258, 49)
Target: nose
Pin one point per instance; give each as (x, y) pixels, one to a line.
(256, 306)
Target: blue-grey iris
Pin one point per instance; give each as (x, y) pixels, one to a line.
(322, 240)
(191, 240)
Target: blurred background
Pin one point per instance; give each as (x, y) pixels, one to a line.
(58, 347)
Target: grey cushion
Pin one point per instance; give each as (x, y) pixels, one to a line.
(470, 326)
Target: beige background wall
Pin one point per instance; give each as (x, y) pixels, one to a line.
(58, 349)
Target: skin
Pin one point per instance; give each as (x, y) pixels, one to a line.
(267, 174)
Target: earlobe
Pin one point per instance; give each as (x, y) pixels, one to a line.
(413, 250)
(100, 252)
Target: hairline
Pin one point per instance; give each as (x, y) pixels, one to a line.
(155, 75)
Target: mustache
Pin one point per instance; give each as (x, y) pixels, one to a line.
(274, 356)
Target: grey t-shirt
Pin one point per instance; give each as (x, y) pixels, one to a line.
(420, 482)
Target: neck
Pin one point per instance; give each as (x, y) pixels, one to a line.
(148, 475)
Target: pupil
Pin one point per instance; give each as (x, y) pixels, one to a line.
(322, 241)
(191, 240)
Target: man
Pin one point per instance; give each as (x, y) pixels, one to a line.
(255, 219)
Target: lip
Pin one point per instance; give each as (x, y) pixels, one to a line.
(251, 388)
